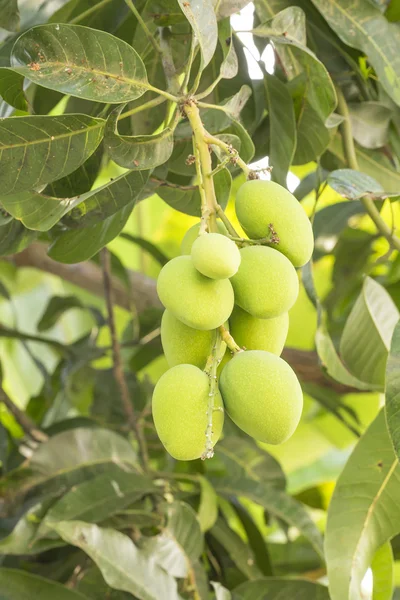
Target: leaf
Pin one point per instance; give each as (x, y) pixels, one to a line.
(36, 150)
(201, 16)
(79, 181)
(329, 222)
(392, 406)
(55, 308)
(382, 571)
(79, 245)
(11, 89)
(255, 539)
(312, 135)
(9, 15)
(229, 66)
(360, 25)
(365, 342)
(221, 593)
(20, 585)
(363, 513)
(370, 123)
(332, 364)
(237, 550)
(137, 152)
(226, 8)
(146, 245)
(14, 238)
(40, 212)
(353, 184)
(208, 508)
(71, 59)
(273, 588)
(282, 127)
(123, 566)
(188, 200)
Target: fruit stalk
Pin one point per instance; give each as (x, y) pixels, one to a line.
(233, 154)
(211, 370)
(229, 341)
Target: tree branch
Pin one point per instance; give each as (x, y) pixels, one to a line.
(88, 276)
(22, 419)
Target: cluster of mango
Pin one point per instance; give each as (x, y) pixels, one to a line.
(218, 294)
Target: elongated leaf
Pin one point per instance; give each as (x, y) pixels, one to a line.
(41, 212)
(208, 508)
(255, 539)
(221, 593)
(273, 588)
(312, 135)
(80, 61)
(201, 16)
(14, 237)
(137, 152)
(367, 334)
(20, 585)
(123, 566)
(353, 184)
(11, 88)
(9, 15)
(370, 123)
(81, 244)
(37, 150)
(226, 8)
(55, 308)
(362, 26)
(363, 513)
(330, 222)
(382, 571)
(79, 181)
(282, 127)
(22, 539)
(392, 406)
(229, 66)
(146, 245)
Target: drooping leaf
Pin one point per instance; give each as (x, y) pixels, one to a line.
(80, 61)
(353, 184)
(41, 212)
(382, 567)
(392, 406)
(201, 16)
(312, 135)
(226, 8)
(282, 127)
(361, 25)
(255, 539)
(273, 588)
(11, 88)
(36, 150)
(137, 152)
(365, 342)
(329, 222)
(55, 308)
(370, 123)
(229, 66)
(14, 237)
(9, 15)
(122, 564)
(208, 508)
(146, 245)
(363, 513)
(79, 181)
(21, 585)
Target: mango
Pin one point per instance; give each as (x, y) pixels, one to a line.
(262, 395)
(259, 334)
(259, 203)
(180, 403)
(192, 234)
(185, 345)
(266, 284)
(197, 301)
(215, 256)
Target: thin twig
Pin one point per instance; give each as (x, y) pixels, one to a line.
(7, 332)
(22, 419)
(117, 361)
(143, 25)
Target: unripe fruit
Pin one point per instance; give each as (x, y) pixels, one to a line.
(185, 345)
(215, 256)
(262, 395)
(193, 233)
(259, 334)
(259, 203)
(266, 284)
(180, 403)
(197, 301)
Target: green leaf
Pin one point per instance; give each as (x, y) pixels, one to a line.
(255, 539)
(140, 151)
(188, 200)
(123, 566)
(155, 252)
(332, 364)
(282, 127)
(14, 238)
(208, 508)
(226, 8)
(221, 593)
(382, 571)
(363, 513)
(81, 244)
(237, 550)
(36, 150)
(81, 62)
(11, 89)
(40, 212)
(201, 16)
(392, 406)
(20, 585)
(353, 184)
(329, 222)
(366, 337)
(229, 66)
(273, 588)
(55, 308)
(360, 25)
(370, 123)
(312, 135)
(9, 15)
(79, 181)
